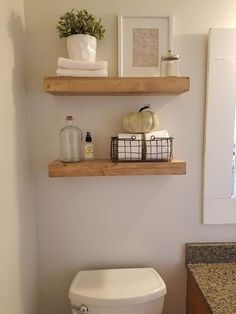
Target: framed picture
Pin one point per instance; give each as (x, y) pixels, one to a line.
(141, 43)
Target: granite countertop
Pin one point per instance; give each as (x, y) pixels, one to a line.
(213, 266)
(217, 283)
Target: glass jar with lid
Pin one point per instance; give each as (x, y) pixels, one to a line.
(170, 64)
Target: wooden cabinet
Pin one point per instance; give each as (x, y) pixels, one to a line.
(196, 303)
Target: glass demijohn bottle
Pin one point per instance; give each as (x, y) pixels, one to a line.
(70, 142)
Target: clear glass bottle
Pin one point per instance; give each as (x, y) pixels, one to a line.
(170, 64)
(70, 142)
(88, 147)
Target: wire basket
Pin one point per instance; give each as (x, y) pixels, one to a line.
(132, 150)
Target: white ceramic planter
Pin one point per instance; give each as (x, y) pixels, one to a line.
(82, 47)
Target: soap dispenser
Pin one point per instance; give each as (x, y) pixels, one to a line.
(88, 147)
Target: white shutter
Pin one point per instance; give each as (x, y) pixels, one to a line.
(218, 205)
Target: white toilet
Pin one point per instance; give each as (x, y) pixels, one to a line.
(117, 291)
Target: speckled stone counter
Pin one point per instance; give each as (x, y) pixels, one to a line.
(216, 252)
(213, 266)
(217, 283)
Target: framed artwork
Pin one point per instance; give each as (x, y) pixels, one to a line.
(141, 43)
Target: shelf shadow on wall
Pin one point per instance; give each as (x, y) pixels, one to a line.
(25, 221)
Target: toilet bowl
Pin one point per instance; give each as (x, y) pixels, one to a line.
(117, 291)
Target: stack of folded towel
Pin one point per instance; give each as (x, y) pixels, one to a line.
(68, 67)
(157, 145)
(149, 146)
(129, 146)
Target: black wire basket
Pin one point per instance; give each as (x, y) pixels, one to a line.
(133, 150)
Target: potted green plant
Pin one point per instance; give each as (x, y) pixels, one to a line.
(81, 29)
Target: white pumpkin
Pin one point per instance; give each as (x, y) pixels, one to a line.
(140, 122)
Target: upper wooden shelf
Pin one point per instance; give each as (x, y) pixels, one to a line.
(116, 85)
(108, 168)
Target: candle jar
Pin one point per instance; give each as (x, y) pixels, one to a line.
(170, 64)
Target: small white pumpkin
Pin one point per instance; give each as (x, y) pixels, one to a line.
(140, 122)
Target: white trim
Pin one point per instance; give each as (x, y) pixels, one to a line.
(120, 46)
(218, 205)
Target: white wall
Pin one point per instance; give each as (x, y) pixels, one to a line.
(18, 271)
(120, 221)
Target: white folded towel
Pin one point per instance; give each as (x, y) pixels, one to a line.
(129, 146)
(157, 145)
(81, 65)
(153, 135)
(134, 136)
(81, 73)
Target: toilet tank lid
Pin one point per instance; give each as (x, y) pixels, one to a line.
(116, 287)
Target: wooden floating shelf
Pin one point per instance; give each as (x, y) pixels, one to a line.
(107, 168)
(116, 85)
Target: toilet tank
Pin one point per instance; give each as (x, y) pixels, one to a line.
(117, 291)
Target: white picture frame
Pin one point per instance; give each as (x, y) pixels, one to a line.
(142, 40)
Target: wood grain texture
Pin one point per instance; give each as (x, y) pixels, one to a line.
(196, 303)
(116, 85)
(107, 168)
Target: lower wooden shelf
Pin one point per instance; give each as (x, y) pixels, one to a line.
(103, 167)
